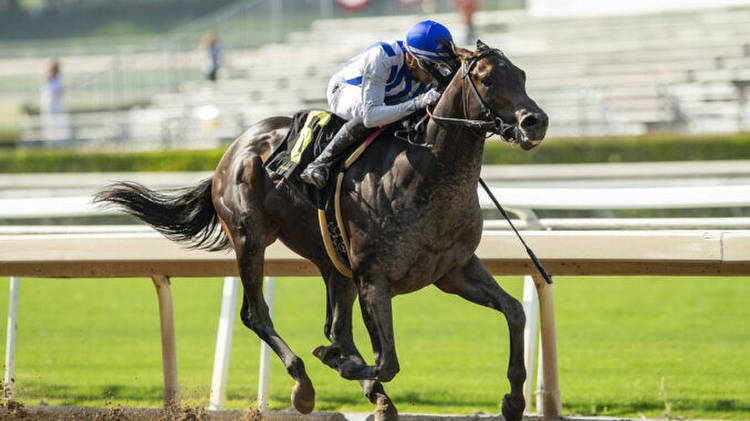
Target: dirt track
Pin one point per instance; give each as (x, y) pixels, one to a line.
(17, 411)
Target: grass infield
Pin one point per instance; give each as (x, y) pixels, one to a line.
(673, 347)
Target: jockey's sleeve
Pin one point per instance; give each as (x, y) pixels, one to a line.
(374, 76)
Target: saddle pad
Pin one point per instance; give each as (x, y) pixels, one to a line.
(308, 135)
(310, 132)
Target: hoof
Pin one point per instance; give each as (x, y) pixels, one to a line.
(351, 370)
(303, 397)
(513, 407)
(329, 355)
(385, 411)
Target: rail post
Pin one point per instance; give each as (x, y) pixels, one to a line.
(10, 345)
(168, 341)
(224, 343)
(539, 380)
(551, 403)
(530, 333)
(265, 351)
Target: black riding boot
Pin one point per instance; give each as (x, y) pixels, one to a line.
(316, 172)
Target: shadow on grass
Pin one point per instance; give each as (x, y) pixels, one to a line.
(401, 400)
(334, 402)
(78, 395)
(140, 395)
(432, 399)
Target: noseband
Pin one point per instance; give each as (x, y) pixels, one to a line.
(492, 122)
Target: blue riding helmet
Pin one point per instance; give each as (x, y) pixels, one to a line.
(429, 40)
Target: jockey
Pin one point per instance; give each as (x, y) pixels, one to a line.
(385, 83)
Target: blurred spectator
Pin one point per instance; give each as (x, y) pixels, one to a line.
(429, 7)
(466, 9)
(54, 119)
(211, 44)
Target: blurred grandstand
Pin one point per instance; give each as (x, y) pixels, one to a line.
(614, 73)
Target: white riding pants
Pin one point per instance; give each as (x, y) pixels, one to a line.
(345, 100)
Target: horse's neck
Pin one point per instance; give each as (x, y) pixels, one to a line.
(458, 150)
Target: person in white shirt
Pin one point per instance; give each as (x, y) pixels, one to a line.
(54, 119)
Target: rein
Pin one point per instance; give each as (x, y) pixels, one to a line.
(492, 123)
(495, 124)
(531, 254)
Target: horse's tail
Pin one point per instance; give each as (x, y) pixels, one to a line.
(183, 215)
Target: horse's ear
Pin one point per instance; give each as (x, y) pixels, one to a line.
(481, 45)
(462, 53)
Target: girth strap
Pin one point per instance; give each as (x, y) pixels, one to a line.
(343, 267)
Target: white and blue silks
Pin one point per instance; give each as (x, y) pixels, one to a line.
(376, 85)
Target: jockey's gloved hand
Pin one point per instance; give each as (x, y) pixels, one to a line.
(428, 98)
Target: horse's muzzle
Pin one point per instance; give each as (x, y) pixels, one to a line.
(533, 126)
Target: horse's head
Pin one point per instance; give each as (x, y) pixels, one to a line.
(493, 90)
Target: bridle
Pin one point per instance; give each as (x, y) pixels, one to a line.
(492, 122)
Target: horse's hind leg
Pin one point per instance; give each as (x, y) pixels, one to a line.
(475, 284)
(254, 315)
(250, 231)
(341, 293)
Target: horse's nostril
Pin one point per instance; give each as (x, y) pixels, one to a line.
(529, 121)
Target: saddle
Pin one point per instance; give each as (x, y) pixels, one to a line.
(310, 132)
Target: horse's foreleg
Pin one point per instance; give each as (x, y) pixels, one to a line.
(475, 284)
(254, 315)
(375, 301)
(341, 294)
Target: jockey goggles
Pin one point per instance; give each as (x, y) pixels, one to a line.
(443, 68)
(441, 71)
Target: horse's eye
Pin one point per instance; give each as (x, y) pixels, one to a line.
(487, 81)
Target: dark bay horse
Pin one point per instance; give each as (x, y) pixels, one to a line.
(412, 213)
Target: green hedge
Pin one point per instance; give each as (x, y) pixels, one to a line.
(75, 161)
(8, 136)
(623, 149)
(569, 150)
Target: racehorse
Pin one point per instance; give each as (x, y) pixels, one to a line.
(411, 211)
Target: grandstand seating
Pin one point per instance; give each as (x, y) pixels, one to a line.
(687, 71)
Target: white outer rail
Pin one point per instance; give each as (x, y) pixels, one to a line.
(513, 198)
(565, 253)
(621, 198)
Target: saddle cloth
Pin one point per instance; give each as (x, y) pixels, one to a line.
(309, 134)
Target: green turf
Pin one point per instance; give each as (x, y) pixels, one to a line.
(623, 343)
